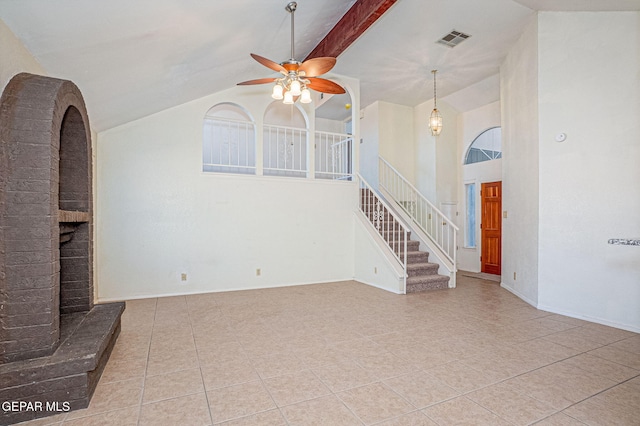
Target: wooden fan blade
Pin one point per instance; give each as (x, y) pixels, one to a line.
(324, 86)
(269, 63)
(317, 66)
(257, 81)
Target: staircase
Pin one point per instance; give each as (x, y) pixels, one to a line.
(421, 275)
(431, 226)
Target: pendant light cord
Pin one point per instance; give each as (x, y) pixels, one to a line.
(434, 88)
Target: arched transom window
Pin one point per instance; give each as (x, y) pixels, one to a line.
(485, 147)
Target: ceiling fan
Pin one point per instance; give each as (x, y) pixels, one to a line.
(298, 77)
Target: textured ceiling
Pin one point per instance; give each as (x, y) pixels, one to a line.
(134, 58)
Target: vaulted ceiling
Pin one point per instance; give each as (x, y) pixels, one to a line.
(134, 58)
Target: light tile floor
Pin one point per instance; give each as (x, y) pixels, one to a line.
(349, 354)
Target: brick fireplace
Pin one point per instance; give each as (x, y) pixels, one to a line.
(54, 342)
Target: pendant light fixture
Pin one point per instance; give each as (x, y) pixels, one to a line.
(435, 119)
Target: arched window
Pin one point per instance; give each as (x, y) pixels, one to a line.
(485, 147)
(228, 140)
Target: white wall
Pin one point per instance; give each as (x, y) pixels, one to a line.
(372, 265)
(589, 88)
(520, 174)
(425, 150)
(159, 216)
(395, 128)
(387, 131)
(369, 148)
(15, 57)
(447, 162)
(566, 199)
(436, 157)
(326, 125)
(470, 125)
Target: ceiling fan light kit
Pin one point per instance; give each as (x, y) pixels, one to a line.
(297, 77)
(278, 92)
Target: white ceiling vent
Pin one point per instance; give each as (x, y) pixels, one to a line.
(453, 39)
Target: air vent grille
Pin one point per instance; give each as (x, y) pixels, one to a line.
(453, 39)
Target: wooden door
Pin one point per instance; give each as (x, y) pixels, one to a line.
(491, 226)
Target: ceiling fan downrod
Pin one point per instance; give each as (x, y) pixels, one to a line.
(291, 8)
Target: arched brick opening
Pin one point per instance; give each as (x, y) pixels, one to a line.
(45, 176)
(74, 198)
(54, 343)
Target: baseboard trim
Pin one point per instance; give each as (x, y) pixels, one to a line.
(480, 275)
(570, 314)
(157, 295)
(589, 318)
(377, 286)
(519, 295)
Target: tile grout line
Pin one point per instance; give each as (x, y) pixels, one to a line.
(464, 394)
(204, 388)
(144, 379)
(261, 379)
(600, 392)
(335, 394)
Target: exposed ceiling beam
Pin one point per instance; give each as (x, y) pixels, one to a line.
(352, 25)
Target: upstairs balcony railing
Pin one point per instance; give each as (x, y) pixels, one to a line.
(284, 151)
(230, 146)
(333, 153)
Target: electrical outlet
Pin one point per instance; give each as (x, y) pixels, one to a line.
(375, 270)
(514, 276)
(258, 272)
(183, 277)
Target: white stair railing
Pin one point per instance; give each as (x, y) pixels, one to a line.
(440, 230)
(386, 222)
